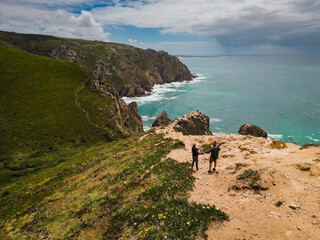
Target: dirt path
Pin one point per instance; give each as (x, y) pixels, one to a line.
(254, 215)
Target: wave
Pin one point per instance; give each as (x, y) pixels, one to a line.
(218, 133)
(146, 127)
(313, 139)
(146, 118)
(275, 136)
(159, 91)
(216, 120)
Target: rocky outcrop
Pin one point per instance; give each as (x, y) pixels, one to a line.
(193, 123)
(162, 119)
(120, 115)
(133, 71)
(278, 145)
(253, 130)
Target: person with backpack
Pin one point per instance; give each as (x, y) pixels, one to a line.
(214, 155)
(195, 154)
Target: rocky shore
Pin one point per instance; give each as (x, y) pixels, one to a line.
(269, 189)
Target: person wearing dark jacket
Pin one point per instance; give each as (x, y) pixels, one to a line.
(195, 154)
(214, 155)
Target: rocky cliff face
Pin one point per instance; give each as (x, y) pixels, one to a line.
(125, 117)
(133, 71)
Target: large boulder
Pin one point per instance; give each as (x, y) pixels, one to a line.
(193, 123)
(253, 130)
(161, 119)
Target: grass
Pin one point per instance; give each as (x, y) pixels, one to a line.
(239, 165)
(119, 63)
(114, 190)
(205, 147)
(305, 146)
(249, 175)
(39, 113)
(278, 204)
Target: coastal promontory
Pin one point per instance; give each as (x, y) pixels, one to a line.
(133, 71)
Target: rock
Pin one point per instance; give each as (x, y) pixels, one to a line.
(124, 117)
(193, 123)
(253, 130)
(294, 206)
(278, 145)
(162, 119)
(304, 166)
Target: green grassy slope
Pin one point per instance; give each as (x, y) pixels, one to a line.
(39, 112)
(116, 190)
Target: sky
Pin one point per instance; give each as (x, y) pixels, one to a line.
(180, 27)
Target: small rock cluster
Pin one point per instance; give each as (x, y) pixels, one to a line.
(253, 130)
(193, 123)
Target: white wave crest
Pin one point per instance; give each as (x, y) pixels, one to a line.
(313, 139)
(275, 136)
(218, 133)
(146, 118)
(215, 120)
(146, 127)
(159, 91)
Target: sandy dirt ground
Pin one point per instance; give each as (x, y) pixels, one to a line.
(290, 176)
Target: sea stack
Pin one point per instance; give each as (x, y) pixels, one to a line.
(162, 119)
(253, 130)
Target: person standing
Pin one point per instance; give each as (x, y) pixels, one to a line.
(195, 154)
(214, 155)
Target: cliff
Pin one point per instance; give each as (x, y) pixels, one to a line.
(133, 71)
(269, 189)
(142, 187)
(49, 104)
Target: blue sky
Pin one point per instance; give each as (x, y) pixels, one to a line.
(181, 27)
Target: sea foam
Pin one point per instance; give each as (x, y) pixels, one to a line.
(146, 118)
(275, 136)
(215, 120)
(159, 91)
(313, 139)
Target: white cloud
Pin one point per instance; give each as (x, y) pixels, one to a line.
(85, 20)
(31, 19)
(135, 42)
(233, 23)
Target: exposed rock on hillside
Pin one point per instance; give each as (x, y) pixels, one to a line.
(253, 130)
(278, 145)
(193, 123)
(133, 71)
(161, 119)
(125, 117)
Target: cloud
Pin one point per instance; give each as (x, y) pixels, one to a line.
(84, 20)
(135, 42)
(254, 24)
(233, 23)
(36, 19)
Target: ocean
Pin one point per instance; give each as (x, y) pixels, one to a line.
(280, 94)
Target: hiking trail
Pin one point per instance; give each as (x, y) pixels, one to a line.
(290, 178)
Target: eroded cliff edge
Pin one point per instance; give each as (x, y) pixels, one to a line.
(133, 71)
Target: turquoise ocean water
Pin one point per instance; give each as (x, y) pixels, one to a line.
(281, 94)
